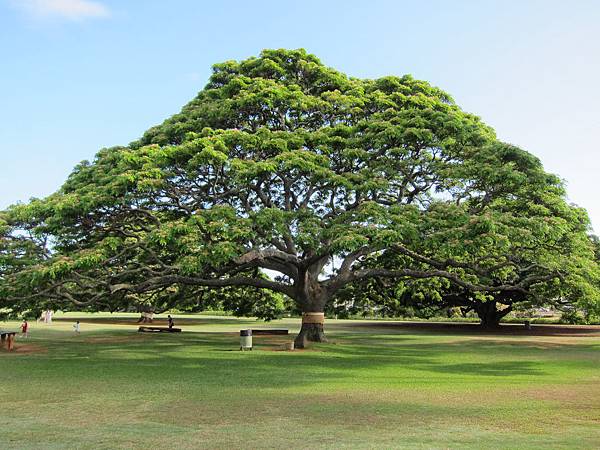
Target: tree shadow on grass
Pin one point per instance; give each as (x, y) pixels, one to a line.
(208, 358)
(494, 369)
(215, 358)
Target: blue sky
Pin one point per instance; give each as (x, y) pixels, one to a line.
(79, 75)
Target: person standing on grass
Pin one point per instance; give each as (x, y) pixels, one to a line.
(76, 327)
(170, 320)
(25, 328)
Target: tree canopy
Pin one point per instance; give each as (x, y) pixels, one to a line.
(285, 178)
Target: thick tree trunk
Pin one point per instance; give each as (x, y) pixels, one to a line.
(489, 314)
(311, 297)
(312, 329)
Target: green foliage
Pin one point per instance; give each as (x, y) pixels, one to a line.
(572, 317)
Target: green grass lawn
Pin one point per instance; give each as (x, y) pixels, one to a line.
(373, 386)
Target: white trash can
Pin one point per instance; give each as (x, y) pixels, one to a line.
(245, 340)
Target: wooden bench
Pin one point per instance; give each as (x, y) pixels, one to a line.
(269, 331)
(9, 337)
(145, 329)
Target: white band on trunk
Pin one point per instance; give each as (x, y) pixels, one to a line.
(313, 317)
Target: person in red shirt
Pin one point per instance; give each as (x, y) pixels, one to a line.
(25, 328)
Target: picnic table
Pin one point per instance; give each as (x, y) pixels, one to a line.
(9, 337)
(269, 331)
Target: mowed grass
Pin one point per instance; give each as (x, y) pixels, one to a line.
(376, 385)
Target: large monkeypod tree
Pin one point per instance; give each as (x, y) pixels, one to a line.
(284, 176)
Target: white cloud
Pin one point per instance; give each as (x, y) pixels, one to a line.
(63, 9)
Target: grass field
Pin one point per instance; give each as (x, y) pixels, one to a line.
(376, 385)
